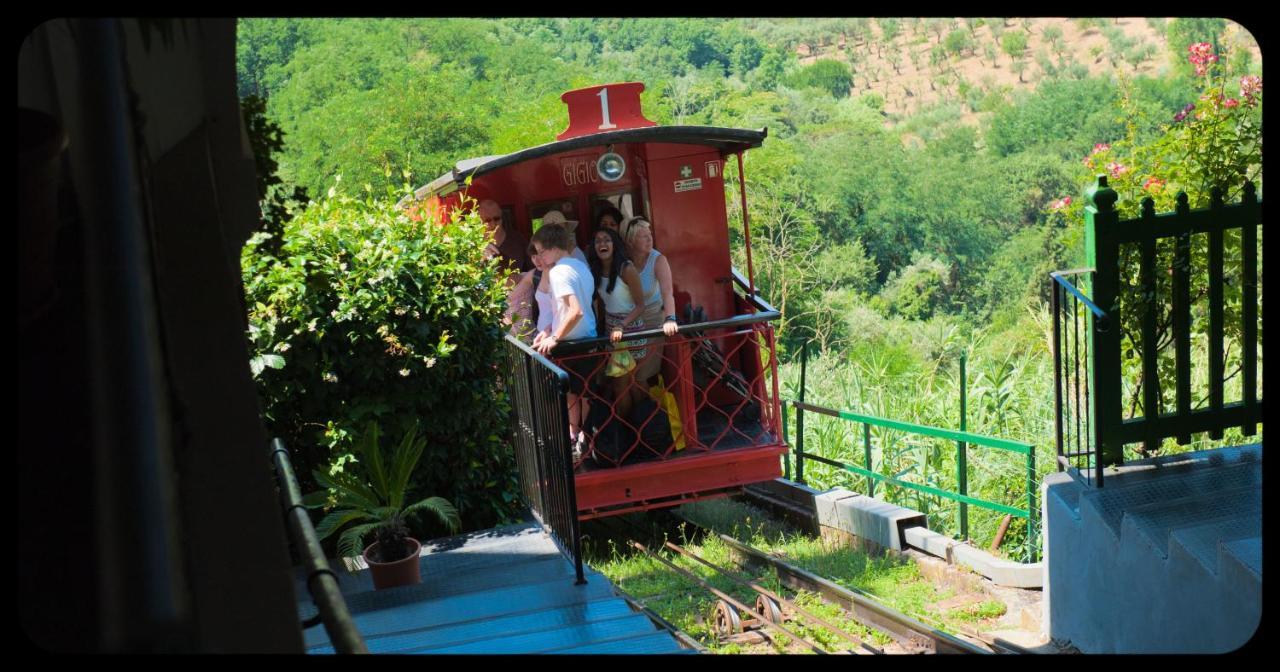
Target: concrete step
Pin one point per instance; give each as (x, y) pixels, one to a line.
(1202, 541)
(1132, 489)
(1159, 519)
(1245, 553)
(1060, 487)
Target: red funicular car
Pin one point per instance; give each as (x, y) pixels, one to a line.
(712, 422)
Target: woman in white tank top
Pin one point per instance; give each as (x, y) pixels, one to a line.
(655, 282)
(617, 285)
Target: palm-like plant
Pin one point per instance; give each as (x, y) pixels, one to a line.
(372, 498)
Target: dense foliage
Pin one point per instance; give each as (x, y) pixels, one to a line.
(368, 315)
(890, 241)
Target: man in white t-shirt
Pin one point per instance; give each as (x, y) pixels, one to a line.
(571, 291)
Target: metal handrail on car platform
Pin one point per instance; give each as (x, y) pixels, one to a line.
(540, 433)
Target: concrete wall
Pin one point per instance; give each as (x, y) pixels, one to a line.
(1131, 591)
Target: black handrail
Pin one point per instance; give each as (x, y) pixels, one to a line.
(756, 301)
(322, 583)
(1100, 315)
(583, 344)
(540, 438)
(1070, 410)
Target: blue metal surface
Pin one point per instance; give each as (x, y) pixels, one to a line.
(658, 642)
(507, 590)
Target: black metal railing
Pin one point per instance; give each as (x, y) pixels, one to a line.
(1075, 318)
(322, 583)
(540, 437)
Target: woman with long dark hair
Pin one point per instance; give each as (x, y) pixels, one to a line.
(617, 287)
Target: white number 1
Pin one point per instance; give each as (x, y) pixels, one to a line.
(604, 109)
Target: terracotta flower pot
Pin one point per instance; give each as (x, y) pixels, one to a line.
(403, 572)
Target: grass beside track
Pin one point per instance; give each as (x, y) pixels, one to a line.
(688, 606)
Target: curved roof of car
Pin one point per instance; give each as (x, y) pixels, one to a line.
(727, 140)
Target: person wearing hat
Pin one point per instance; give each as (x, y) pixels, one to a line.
(570, 225)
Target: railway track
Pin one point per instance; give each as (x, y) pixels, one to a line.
(777, 614)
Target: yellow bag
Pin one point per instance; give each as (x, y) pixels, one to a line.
(667, 402)
(620, 362)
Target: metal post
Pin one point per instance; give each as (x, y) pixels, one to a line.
(746, 229)
(866, 450)
(539, 470)
(1101, 222)
(1033, 519)
(962, 470)
(786, 464)
(804, 366)
(1056, 307)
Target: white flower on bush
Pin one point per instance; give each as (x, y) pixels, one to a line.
(329, 377)
(404, 373)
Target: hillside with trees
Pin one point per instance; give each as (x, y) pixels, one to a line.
(920, 180)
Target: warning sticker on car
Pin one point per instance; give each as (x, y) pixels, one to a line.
(688, 185)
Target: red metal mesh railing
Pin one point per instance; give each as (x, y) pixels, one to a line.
(718, 390)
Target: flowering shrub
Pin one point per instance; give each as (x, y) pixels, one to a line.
(367, 315)
(1214, 141)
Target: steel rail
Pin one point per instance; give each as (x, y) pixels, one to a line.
(870, 612)
(763, 591)
(726, 597)
(767, 593)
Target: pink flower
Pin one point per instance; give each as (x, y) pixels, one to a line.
(1117, 169)
(1250, 85)
(1060, 203)
(1201, 55)
(1230, 102)
(1153, 184)
(1101, 147)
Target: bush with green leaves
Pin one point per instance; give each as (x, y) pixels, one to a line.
(831, 76)
(366, 314)
(919, 290)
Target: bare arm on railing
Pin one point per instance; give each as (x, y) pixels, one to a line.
(662, 270)
(631, 276)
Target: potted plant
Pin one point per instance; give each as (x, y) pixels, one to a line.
(370, 496)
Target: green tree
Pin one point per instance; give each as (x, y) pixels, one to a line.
(889, 30)
(827, 75)
(1053, 35)
(770, 71)
(1014, 44)
(958, 42)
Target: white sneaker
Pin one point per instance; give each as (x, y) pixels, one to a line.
(578, 444)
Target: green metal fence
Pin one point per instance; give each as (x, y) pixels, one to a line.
(963, 440)
(1143, 323)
